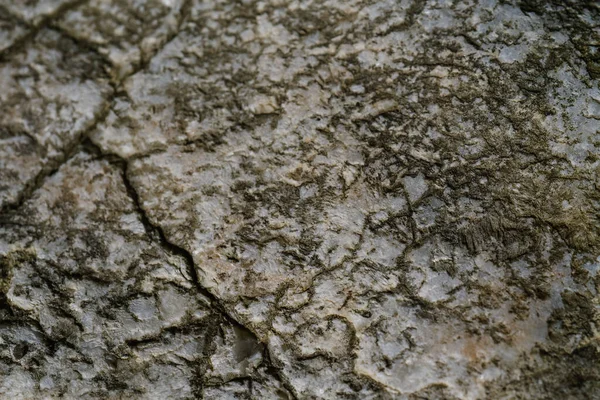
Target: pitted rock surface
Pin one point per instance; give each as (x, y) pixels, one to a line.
(300, 199)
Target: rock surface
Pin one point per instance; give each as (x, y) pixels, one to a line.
(300, 200)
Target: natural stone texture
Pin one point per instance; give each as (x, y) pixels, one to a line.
(369, 200)
(94, 307)
(236, 369)
(34, 12)
(52, 92)
(10, 31)
(97, 308)
(128, 33)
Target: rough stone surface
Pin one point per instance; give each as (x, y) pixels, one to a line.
(34, 12)
(11, 30)
(52, 92)
(126, 32)
(301, 200)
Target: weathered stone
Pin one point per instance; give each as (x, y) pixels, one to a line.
(52, 92)
(94, 306)
(10, 31)
(128, 33)
(34, 12)
(99, 309)
(362, 199)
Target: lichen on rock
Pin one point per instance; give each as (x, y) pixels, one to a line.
(302, 200)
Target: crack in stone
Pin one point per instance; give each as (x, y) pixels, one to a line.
(458, 263)
(51, 168)
(156, 232)
(116, 80)
(34, 29)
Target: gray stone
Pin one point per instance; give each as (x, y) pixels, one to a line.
(313, 200)
(34, 12)
(128, 33)
(11, 31)
(52, 92)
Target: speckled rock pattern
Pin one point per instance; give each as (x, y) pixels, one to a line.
(334, 199)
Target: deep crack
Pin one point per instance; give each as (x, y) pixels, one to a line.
(155, 231)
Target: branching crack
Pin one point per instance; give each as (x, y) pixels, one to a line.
(53, 166)
(156, 232)
(36, 27)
